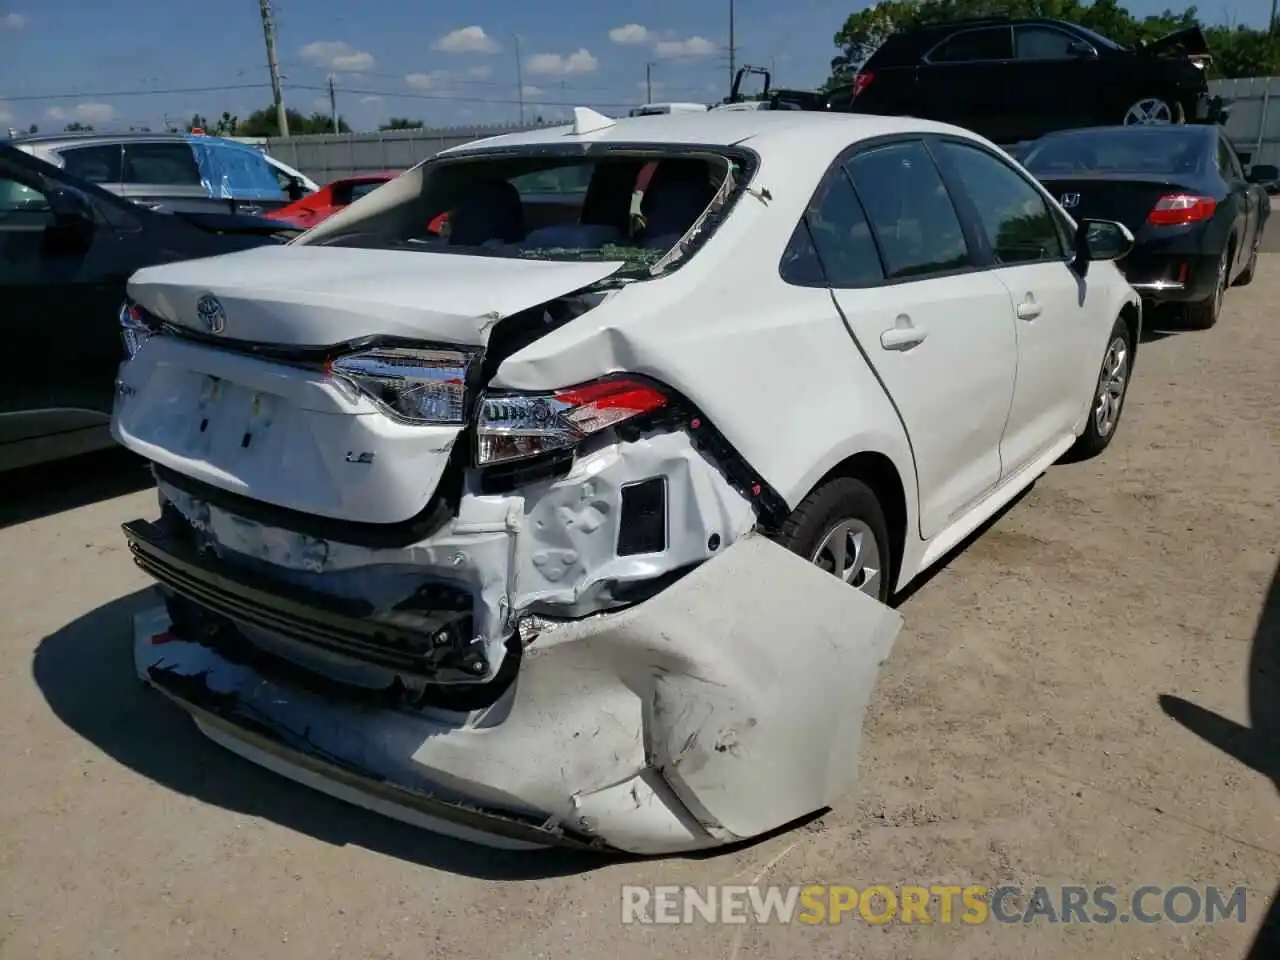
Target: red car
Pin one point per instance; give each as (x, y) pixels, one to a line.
(329, 199)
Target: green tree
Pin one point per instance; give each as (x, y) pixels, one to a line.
(262, 123)
(33, 129)
(75, 126)
(402, 123)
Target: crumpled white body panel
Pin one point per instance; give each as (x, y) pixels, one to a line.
(726, 706)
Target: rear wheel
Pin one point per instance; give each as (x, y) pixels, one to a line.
(841, 528)
(1204, 314)
(1154, 111)
(1108, 396)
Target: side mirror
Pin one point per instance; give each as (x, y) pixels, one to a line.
(1263, 173)
(1078, 48)
(72, 209)
(1100, 240)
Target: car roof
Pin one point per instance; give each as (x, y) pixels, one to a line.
(55, 141)
(775, 131)
(1203, 130)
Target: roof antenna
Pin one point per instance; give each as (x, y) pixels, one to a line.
(586, 120)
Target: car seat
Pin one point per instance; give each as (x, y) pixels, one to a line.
(677, 195)
(491, 210)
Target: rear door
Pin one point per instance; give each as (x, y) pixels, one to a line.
(1051, 86)
(165, 172)
(1058, 313)
(938, 333)
(963, 81)
(1246, 199)
(62, 286)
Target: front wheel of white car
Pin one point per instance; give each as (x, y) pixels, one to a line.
(1108, 396)
(840, 527)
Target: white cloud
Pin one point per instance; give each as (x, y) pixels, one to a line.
(372, 98)
(580, 61)
(531, 91)
(466, 40)
(337, 56)
(84, 112)
(481, 72)
(693, 47)
(12, 21)
(629, 35)
(422, 81)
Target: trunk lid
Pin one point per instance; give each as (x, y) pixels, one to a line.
(308, 296)
(290, 434)
(1127, 198)
(1189, 42)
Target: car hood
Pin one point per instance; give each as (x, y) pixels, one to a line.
(1189, 41)
(296, 295)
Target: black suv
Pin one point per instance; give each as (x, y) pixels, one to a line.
(1011, 80)
(67, 250)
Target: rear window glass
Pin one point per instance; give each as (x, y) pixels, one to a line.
(991, 43)
(634, 206)
(171, 164)
(1128, 151)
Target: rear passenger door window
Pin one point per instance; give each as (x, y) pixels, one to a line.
(912, 217)
(834, 240)
(1042, 43)
(170, 164)
(991, 43)
(96, 164)
(1015, 219)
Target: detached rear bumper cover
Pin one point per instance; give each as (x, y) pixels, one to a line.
(728, 705)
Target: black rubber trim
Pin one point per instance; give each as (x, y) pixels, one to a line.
(376, 536)
(340, 626)
(220, 712)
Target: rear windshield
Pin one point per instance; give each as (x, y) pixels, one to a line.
(634, 205)
(1129, 151)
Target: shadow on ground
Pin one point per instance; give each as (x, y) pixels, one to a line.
(35, 492)
(85, 672)
(1257, 745)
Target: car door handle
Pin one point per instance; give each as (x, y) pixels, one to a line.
(902, 338)
(1029, 310)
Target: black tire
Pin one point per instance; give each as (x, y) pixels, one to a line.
(1099, 431)
(1246, 275)
(1204, 314)
(827, 507)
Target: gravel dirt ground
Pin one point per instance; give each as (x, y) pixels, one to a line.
(1085, 694)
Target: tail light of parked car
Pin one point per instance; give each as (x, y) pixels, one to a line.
(517, 426)
(413, 385)
(135, 330)
(861, 81)
(1176, 209)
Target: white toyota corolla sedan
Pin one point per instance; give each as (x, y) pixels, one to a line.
(555, 491)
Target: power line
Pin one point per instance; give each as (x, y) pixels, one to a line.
(134, 93)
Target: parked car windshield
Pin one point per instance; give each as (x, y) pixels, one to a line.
(1145, 150)
(629, 205)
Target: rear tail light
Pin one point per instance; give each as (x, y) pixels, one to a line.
(412, 385)
(1175, 209)
(861, 82)
(516, 426)
(134, 328)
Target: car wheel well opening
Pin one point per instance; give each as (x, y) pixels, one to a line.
(878, 472)
(1132, 322)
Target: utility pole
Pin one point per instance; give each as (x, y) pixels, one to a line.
(277, 94)
(733, 50)
(333, 104)
(648, 83)
(519, 79)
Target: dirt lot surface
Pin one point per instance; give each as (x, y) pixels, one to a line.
(1026, 730)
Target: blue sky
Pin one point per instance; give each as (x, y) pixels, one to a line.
(136, 62)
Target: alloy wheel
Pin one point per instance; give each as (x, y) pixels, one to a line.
(849, 550)
(1111, 385)
(1148, 111)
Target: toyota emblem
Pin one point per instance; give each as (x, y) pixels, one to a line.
(212, 317)
(1070, 200)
